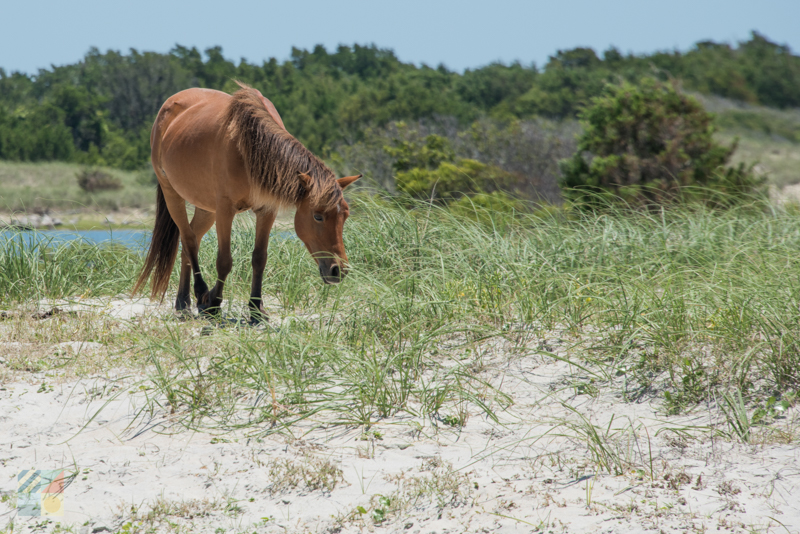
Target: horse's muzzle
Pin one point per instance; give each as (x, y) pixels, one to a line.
(331, 272)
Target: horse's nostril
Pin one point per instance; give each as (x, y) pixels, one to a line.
(335, 271)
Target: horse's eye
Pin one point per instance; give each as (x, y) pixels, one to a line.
(318, 217)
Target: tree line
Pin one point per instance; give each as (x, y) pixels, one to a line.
(100, 109)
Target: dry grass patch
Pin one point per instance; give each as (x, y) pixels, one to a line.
(311, 473)
(165, 515)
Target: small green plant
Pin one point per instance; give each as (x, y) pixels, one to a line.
(456, 420)
(370, 435)
(381, 509)
(690, 381)
(735, 411)
(772, 409)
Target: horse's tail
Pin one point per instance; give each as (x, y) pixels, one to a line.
(163, 250)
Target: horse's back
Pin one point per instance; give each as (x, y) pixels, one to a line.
(191, 114)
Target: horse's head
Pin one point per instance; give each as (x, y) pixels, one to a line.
(320, 229)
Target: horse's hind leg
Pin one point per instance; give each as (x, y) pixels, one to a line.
(225, 214)
(264, 220)
(189, 242)
(202, 221)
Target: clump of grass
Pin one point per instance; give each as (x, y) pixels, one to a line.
(312, 473)
(268, 381)
(441, 484)
(35, 267)
(162, 514)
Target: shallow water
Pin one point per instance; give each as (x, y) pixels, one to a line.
(136, 239)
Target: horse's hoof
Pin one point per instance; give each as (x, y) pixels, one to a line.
(203, 299)
(258, 318)
(212, 313)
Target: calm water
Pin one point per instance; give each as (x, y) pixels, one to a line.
(136, 239)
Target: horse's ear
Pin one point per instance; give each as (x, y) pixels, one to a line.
(306, 180)
(273, 112)
(347, 180)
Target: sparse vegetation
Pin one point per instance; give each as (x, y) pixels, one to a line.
(309, 474)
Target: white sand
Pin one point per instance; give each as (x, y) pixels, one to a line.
(509, 476)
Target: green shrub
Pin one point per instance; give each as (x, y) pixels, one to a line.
(92, 180)
(427, 153)
(452, 180)
(427, 168)
(649, 144)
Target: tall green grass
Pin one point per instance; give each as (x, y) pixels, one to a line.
(35, 267)
(682, 304)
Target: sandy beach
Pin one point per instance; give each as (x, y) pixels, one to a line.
(131, 468)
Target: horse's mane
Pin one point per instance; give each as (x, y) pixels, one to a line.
(273, 158)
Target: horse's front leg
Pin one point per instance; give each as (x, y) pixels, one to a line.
(213, 302)
(265, 218)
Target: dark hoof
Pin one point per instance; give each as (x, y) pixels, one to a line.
(210, 313)
(205, 306)
(257, 317)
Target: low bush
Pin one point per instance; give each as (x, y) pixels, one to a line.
(453, 180)
(92, 180)
(647, 144)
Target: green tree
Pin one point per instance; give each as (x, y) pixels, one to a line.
(37, 134)
(82, 115)
(108, 99)
(569, 79)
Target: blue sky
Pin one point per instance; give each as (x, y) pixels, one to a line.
(464, 34)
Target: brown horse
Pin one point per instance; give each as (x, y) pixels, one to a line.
(226, 154)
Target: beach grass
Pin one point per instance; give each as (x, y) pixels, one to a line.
(689, 306)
